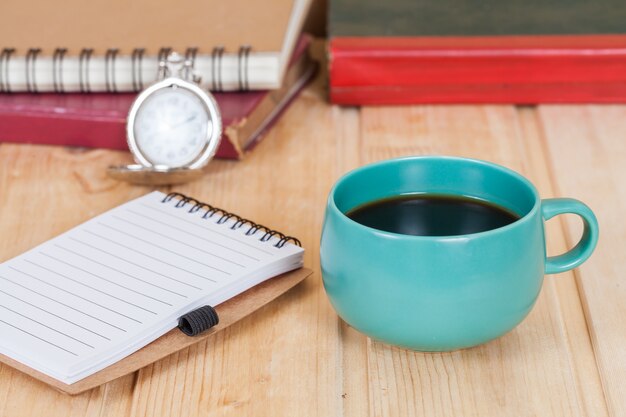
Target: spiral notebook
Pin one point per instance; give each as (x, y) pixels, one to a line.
(99, 292)
(115, 46)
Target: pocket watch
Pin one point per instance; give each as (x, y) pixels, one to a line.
(173, 128)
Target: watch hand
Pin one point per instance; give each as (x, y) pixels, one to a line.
(189, 119)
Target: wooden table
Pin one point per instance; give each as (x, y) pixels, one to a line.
(295, 357)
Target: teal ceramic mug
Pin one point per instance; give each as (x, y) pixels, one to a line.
(441, 293)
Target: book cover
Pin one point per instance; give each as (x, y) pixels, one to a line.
(115, 46)
(449, 51)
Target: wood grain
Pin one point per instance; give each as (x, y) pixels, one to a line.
(563, 288)
(295, 357)
(587, 154)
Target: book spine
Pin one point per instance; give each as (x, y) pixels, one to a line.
(105, 133)
(533, 70)
(112, 72)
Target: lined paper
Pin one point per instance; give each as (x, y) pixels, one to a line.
(91, 296)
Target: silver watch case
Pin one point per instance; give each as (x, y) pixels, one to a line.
(214, 131)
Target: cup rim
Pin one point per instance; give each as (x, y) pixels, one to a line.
(503, 229)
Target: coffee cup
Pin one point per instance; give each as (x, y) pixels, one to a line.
(448, 292)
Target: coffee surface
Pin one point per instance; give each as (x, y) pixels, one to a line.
(432, 215)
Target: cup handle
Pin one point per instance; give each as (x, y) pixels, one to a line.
(551, 207)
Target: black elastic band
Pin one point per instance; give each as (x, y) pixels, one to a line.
(198, 321)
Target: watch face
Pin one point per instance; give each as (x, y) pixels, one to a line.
(172, 126)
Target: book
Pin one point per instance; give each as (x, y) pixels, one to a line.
(99, 120)
(453, 51)
(114, 46)
(86, 299)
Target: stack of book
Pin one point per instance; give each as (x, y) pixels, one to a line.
(492, 51)
(69, 77)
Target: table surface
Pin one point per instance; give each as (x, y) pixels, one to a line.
(295, 357)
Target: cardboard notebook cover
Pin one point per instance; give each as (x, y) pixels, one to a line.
(109, 45)
(229, 312)
(151, 24)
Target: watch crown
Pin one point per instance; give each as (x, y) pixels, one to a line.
(175, 63)
(174, 58)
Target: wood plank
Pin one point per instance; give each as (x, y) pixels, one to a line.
(354, 347)
(563, 288)
(528, 371)
(587, 150)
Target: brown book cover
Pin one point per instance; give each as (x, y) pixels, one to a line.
(109, 44)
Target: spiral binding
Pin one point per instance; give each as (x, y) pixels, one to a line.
(163, 54)
(83, 70)
(111, 84)
(109, 70)
(31, 69)
(190, 57)
(5, 59)
(243, 58)
(57, 70)
(211, 211)
(137, 68)
(216, 68)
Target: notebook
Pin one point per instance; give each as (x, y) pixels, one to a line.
(113, 45)
(99, 292)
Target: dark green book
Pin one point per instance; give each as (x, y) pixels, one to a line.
(405, 51)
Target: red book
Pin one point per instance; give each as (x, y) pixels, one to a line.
(454, 51)
(99, 120)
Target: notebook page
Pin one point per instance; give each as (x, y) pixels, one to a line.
(74, 304)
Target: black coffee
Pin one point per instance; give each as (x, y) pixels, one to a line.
(432, 215)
